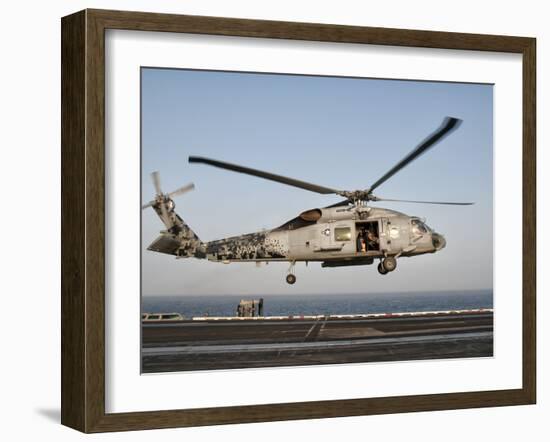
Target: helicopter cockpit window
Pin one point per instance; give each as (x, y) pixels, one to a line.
(418, 227)
(342, 233)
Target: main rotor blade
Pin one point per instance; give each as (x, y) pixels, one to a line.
(181, 190)
(424, 202)
(155, 176)
(449, 125)
(345, 202)
(266, 175)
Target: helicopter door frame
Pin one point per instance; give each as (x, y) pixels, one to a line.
(358, 227)
(383, 234)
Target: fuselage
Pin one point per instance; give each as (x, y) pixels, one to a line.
(332, 235)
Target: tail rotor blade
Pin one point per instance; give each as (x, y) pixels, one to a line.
(155, 176)
(149, 204)
(181, 190)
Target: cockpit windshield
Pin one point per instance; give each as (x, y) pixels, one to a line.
(418, 227)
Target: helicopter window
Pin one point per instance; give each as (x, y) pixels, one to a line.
(342, 233)
(418, 227)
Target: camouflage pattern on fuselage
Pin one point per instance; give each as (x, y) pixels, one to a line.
(249, 247)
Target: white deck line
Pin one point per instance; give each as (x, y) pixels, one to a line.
(354, 316)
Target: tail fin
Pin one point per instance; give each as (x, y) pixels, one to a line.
(178, 239)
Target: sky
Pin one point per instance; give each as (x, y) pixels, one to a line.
(332, 131)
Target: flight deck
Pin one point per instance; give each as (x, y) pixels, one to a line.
(211, 343)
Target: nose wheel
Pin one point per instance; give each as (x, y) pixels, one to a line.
(291, 277)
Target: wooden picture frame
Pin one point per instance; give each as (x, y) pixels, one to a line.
(83, 220)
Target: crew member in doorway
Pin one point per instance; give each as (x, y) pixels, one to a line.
(361, 243)
(372, 240)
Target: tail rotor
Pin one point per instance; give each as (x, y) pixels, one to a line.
(163, 203)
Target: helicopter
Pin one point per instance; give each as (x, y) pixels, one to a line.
(348, 233)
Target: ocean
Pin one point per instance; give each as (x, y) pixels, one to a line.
(296, 305)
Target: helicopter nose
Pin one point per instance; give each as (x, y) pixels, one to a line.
(438, 241)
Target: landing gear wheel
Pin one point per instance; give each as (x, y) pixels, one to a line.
(382, 270)
(389, 264)
(290, 277)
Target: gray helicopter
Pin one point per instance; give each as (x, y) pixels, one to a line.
(348, 233)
